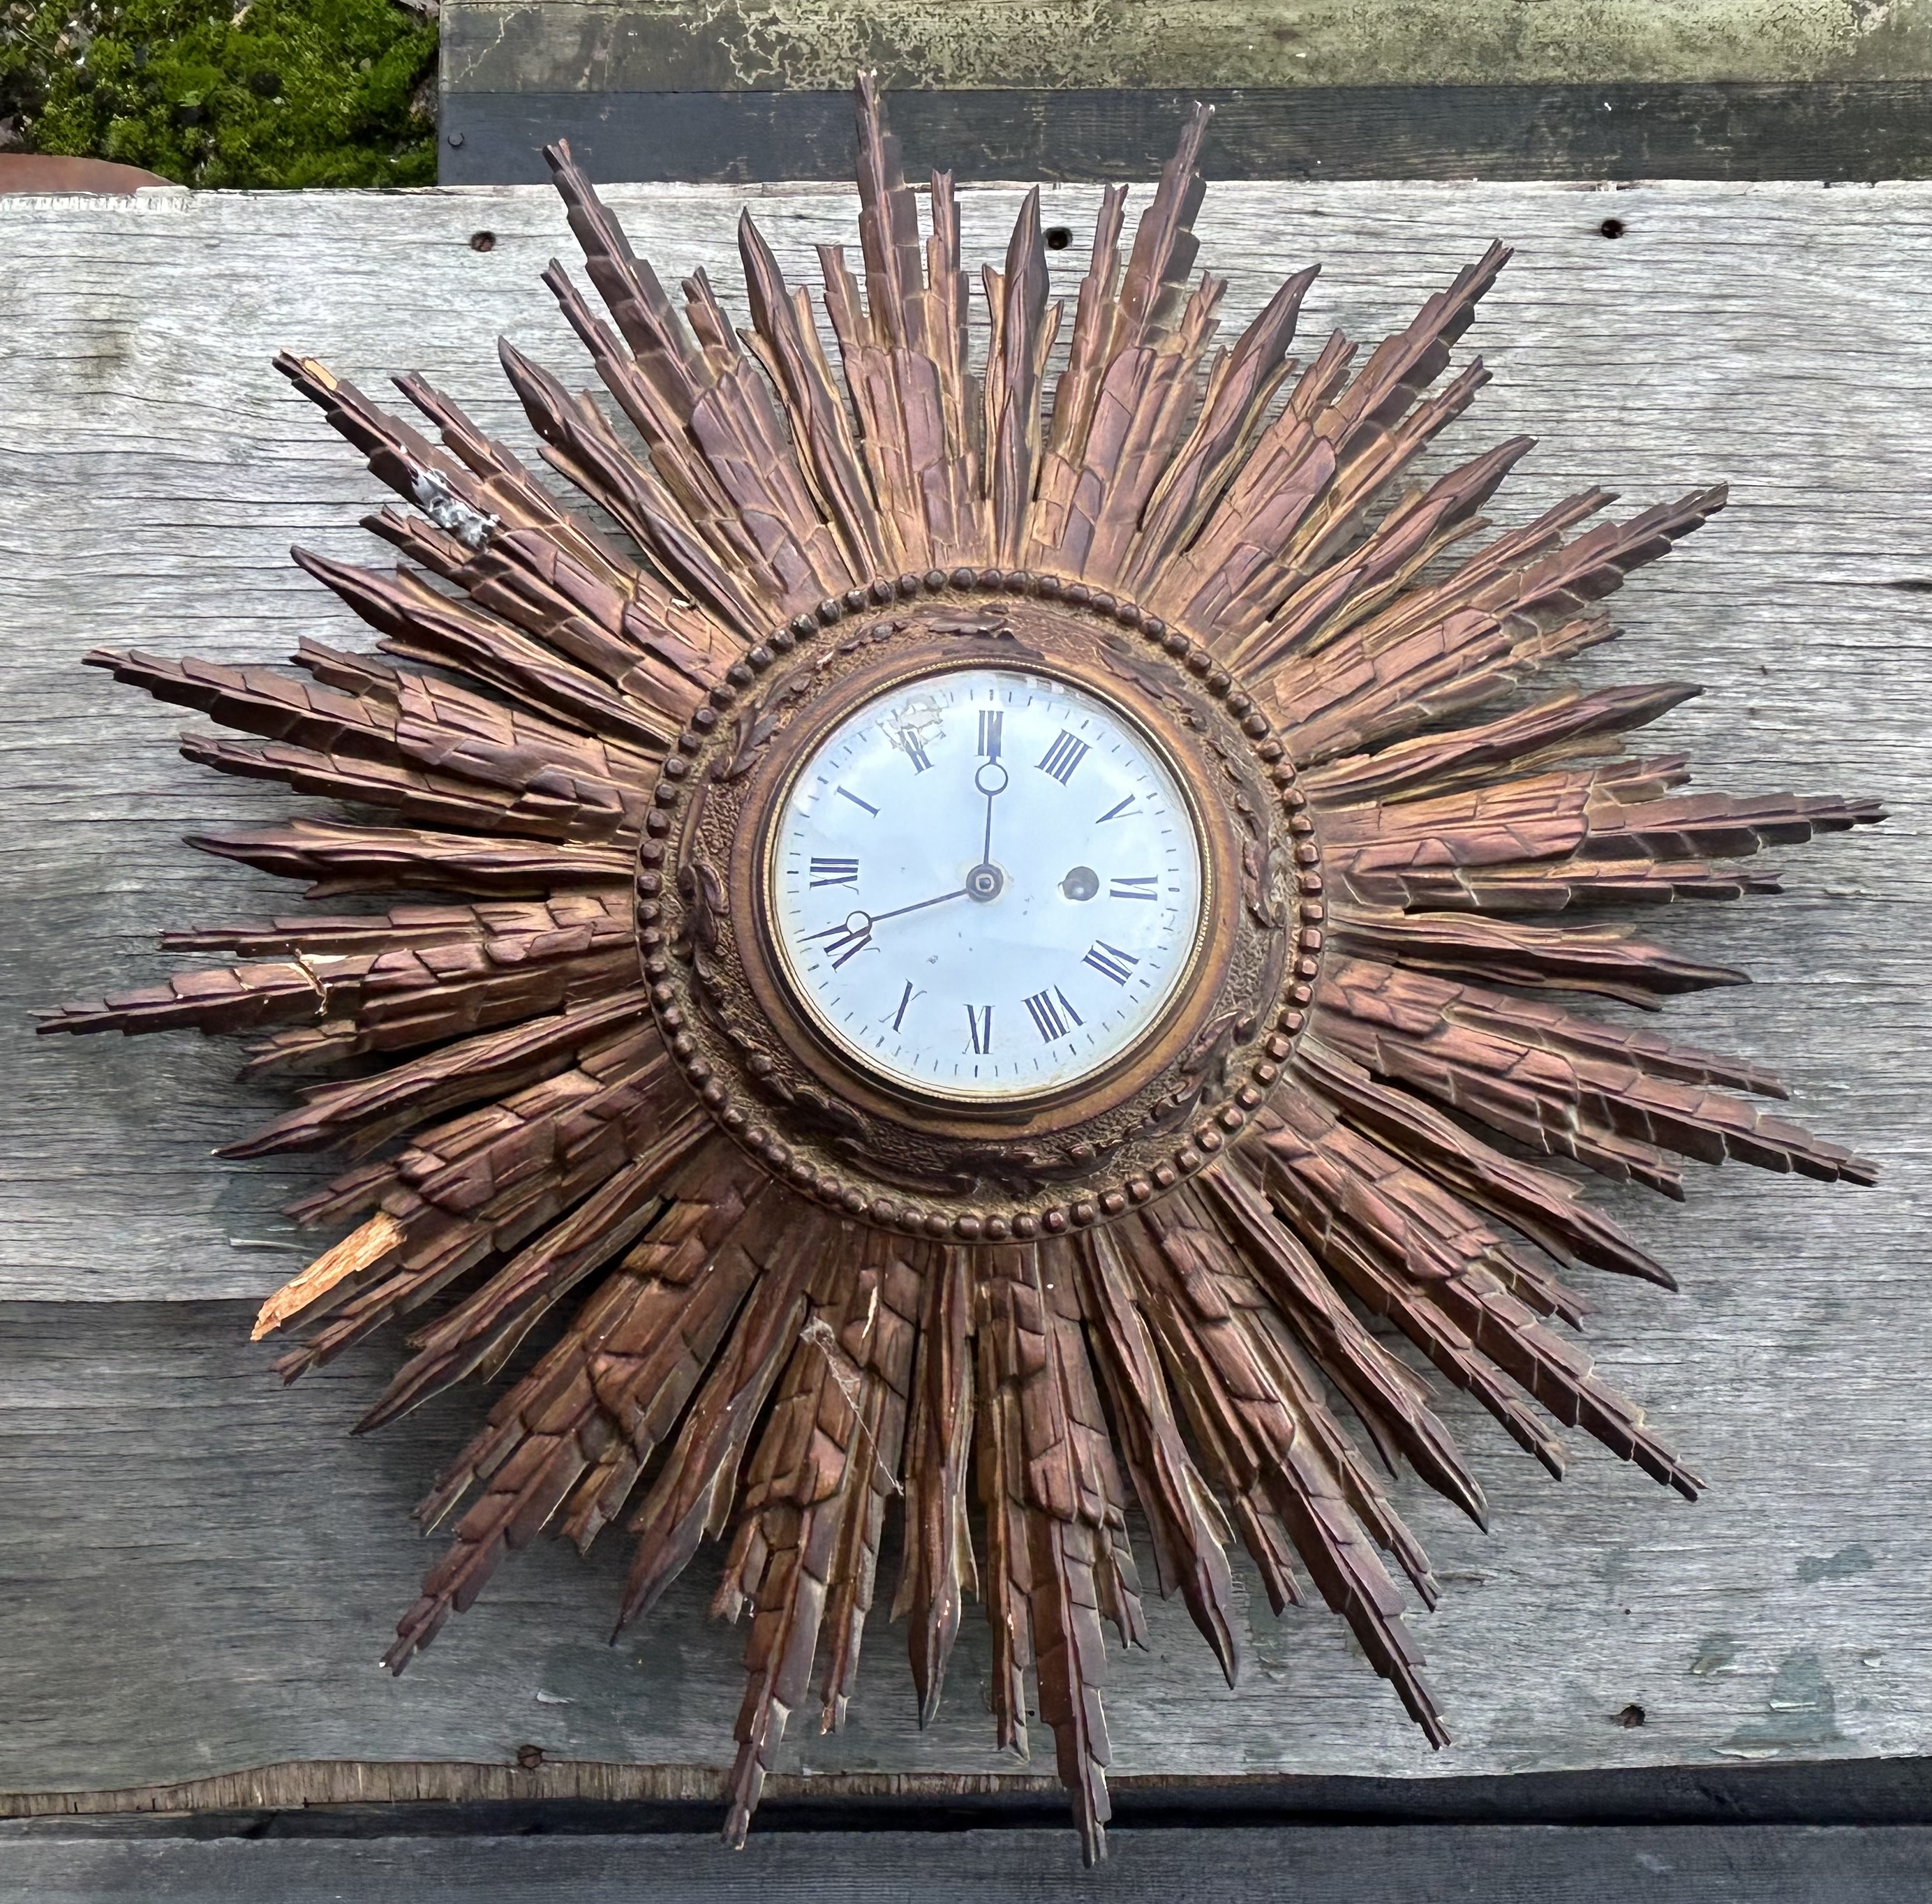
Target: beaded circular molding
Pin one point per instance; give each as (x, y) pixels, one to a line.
(580, 1079)
(874, 1152)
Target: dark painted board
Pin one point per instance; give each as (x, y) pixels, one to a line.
(1414, 1864)
(1834, 131)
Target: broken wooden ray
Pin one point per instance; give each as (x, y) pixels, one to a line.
(737, 1364)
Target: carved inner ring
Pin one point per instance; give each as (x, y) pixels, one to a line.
(728, 1021)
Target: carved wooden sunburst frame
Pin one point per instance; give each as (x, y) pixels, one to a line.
(798, 1294)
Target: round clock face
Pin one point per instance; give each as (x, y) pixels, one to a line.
(985, 884)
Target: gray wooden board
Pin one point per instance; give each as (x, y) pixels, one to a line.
(204, 1570)
(1415, 1864)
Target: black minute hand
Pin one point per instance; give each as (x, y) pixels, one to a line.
(919, 906)
(853, 933)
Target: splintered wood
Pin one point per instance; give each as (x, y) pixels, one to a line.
(364, 1247)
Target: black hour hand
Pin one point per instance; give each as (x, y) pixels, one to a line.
(846, 939)
(854, 932)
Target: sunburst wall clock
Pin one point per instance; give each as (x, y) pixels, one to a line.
(999, 948)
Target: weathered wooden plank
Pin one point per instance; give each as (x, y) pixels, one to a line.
(205, 1569)
(782, 46)
(1832, 130)
(1420, 1864)
(1662, 358)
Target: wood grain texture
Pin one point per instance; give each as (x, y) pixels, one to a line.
(1429, 1864)
(1783, 1615)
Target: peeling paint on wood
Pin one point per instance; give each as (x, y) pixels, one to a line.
(777, 45)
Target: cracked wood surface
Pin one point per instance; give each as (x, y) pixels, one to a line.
(207, 1568)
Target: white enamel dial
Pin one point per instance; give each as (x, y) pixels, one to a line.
(986, 884)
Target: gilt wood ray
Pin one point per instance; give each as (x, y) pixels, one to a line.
(785, 1319)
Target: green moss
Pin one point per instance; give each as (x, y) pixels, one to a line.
(225, 92)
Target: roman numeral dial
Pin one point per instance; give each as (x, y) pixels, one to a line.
(985, 883)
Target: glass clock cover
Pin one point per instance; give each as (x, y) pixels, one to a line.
(986, 884)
